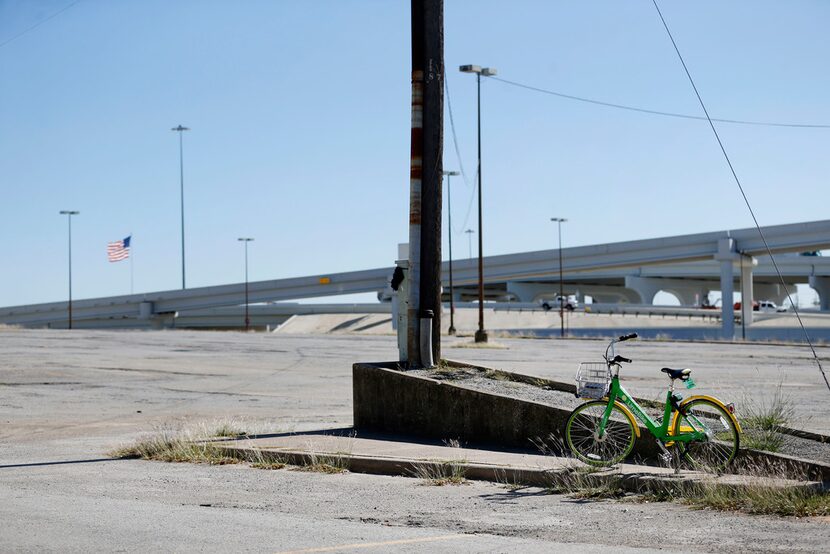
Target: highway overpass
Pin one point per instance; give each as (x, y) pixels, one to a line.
(622, 271)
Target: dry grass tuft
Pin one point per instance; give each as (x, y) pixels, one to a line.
(763, 419)
(440, 473)
(443, 472)
(758, 499)
(168, 445)
(762, 499)
(268, 464)
(797, 497)
(193, 443)
(586, 482)
(230, 428)
(497, 375)
(326, 463)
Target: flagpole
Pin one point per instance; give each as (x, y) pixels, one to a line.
(132, 255)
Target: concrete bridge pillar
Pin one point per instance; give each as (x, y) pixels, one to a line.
(727, 256)
(821, 285)
(746, 289)
(145, 310)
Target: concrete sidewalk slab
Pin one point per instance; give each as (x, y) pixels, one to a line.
(389, 455)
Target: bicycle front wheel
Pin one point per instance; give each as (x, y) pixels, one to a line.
(584, 439)
(722, 438)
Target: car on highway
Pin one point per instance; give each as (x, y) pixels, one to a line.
(770, 307)
(766, 306)
(569, 303)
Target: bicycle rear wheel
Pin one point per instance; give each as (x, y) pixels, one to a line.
(722, 438)
(582, 434)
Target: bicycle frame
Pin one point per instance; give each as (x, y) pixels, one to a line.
(660, 430)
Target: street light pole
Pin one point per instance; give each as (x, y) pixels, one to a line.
(449, 175)
(246, 240)
(481, 334)
(180, 129)
(469, 233)
(69, 214)
(559, 221)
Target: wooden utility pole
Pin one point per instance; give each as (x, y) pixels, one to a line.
(426, 171)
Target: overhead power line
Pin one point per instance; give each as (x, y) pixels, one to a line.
(743, 194)
(658, 112)
(38, 24)
(460, 162)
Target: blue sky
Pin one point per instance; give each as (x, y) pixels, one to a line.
(300, 118)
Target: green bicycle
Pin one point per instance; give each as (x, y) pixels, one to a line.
(602, 431)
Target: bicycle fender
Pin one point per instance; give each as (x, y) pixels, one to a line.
(624, 409)
(711, 399)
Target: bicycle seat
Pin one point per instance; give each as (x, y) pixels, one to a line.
(682, 374)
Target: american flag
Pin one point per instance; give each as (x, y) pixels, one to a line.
(119, 250)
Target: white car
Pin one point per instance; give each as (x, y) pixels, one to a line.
(770, 307)
(569, 303)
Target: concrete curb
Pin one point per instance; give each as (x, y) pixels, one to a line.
(635, 482)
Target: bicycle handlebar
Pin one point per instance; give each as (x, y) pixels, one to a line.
(617, 359)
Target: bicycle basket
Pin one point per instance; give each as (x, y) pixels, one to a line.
(592, 380)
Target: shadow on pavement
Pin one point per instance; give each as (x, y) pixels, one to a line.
(64, 462)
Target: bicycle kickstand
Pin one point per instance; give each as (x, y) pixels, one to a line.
(670, 457)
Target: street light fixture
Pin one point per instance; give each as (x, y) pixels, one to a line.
(559, 221)
(481, 334)
(246, 240)
(469, 233)
(449, 175)
(180, 129)
(69, 214)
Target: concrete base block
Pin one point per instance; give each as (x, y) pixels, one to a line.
(392, 401)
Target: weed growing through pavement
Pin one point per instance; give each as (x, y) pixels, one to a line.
(230, 428)
(443, 472)
(189, 444)
(586, 482)
(268, 464)
(195, 444)
(763, 419)
(761, 498)
(439, 473)
(496, 375)
(326, 463)
(757, 494)
(510, 483)
(337, 462)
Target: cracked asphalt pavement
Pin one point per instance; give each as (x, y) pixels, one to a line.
(67, 398)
